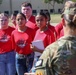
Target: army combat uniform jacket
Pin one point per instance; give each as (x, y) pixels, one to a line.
(58, 58)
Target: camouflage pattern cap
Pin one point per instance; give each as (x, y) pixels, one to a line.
(71, 11)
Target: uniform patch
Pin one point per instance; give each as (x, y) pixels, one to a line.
(39, 63)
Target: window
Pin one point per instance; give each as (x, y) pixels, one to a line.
(16, 11)
(59, 10)
(51, 10)
(7, 12)
(41, 10)
(34, 11)
(45, 10)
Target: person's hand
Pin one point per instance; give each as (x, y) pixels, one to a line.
(33, 47)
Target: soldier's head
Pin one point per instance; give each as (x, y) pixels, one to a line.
(69, 16)
(67, 5)
(26, 9)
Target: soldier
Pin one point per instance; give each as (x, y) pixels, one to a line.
(59, 26)
(59, 57)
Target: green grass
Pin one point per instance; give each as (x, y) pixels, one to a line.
(55, 18)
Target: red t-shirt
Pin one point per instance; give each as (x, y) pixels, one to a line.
(31, 23)
(47, 37)
(51, 27)
(53, 30)
(21, 41)
(5, 40)
(59, 28)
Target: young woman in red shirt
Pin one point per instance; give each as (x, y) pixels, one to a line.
(43, 34)
(21, 39)
(7, 54)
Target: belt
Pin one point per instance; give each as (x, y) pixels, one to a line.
(21, 56)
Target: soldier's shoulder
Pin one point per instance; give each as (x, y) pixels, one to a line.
(57, 44)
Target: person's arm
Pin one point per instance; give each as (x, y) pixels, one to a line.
(41, 63)
(47, 60)
(13, 41)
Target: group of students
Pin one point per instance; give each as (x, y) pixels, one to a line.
(17, 53)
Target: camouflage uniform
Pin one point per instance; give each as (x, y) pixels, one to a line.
(58, 58)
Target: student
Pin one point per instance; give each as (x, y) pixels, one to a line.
(59, 57)
(13, 19)
(21, 39)
(26, 9)
(43, 34)
(49, 25)
(7, 54)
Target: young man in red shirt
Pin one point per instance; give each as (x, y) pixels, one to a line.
(26, 9)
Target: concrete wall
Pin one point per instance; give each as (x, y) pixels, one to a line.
(14, 5)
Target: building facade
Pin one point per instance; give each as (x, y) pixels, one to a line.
(11, 6)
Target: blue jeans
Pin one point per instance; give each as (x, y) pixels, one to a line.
(24, 64)
(7, 63)
(34, 63)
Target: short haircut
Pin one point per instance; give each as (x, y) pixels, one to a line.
(26, 4)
